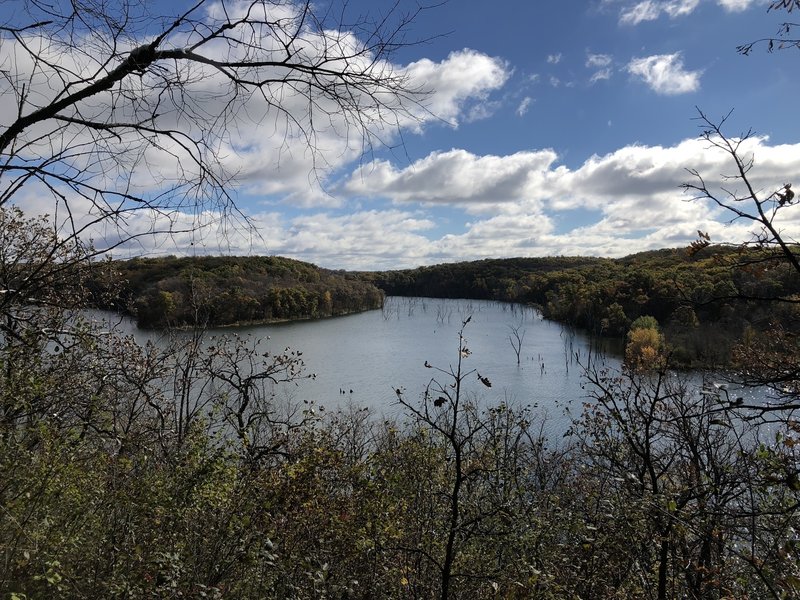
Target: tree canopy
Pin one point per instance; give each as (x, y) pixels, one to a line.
(214, 291)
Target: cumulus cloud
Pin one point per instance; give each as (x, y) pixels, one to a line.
(285, 142)
(450, 93)
(365, 239)
(492, 205)
(360, 240)
(665, 74)
(277, 164)
(454, 177)
(554, 59)
(511, 203)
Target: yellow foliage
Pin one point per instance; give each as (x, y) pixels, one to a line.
(644, 350)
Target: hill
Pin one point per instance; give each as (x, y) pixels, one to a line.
(704, 300)
(217, 291)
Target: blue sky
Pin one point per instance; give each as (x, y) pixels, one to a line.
(560, 128)
(571, 86)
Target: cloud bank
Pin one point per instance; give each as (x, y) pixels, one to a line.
(513, 205)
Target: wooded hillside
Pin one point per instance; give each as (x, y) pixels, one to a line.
(218, 291)
(704, 300)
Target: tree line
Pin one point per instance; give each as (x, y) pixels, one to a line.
(704, 299)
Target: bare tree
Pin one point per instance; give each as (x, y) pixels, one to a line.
(766, 360)
(454, 421)
(785, 37)
(742, 199)
(112, 108)
(515, 337)
(709, 497)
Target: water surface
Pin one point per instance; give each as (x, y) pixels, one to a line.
(364, 358)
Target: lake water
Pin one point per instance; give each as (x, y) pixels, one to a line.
(369, 355)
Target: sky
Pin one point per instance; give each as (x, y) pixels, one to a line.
(549, 128)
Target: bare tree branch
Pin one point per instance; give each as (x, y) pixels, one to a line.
(784, 38)
(116, 107)
(749, 204)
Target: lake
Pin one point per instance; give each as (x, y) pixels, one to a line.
(369, 355)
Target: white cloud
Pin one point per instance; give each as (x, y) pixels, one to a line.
(601, 63)
(665, 74)
(268, 152)
(597, 61)
(524, 106)
(482, 110)
(600, 75)
(513, 205)
(554, 59)
(737, 5)
(449, 89)
(454, 177)
(360, 240)
(634, 193)
(650, 10)
(680, 8)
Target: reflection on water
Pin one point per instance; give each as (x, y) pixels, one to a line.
(361, 359)
(364, 358)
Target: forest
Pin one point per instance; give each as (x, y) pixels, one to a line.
(704, 301)
(217, 291)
